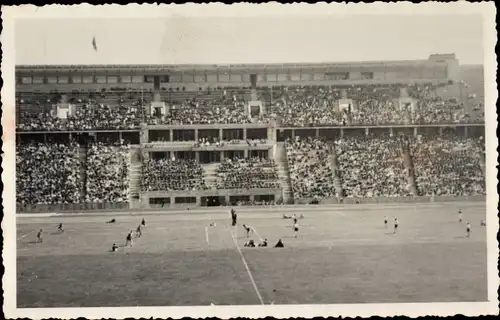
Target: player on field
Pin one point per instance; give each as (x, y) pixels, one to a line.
(250, 243)
(248, 229)
(60, 228)
(138, 231)
(483, 223)
(143, 222)
(128, 240)
(114, 248)
(460, 216)
(279, 244)
(111, 221)
(295, 228)
(396, 224)
(468, 230)
(385, 221)
(263, 243)
(234, 217)
(39, 236)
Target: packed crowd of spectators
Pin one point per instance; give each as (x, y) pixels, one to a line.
(310, 168)
(297, 106)
(247, 173)
(88, 114)
(107, 173)
(372, 167)
(47, 173)
(220, 109)
(447, 166)
(172, 175)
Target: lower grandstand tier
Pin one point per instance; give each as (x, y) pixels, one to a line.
(94, 175)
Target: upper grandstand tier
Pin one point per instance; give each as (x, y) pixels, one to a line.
(121, 97)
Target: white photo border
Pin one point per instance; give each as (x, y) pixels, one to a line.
(10, 14)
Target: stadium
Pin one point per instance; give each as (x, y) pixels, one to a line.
(375, 159)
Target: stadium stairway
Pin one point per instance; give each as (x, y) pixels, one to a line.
(210, 174)
(134, 176)
(82, 156)
(283, 173)
(410, 169)
(337, 182)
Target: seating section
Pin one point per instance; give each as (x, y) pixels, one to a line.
(372, 167)
(448, 166)
(247, 174)
(310, 167)
(172, 175)
(107, 173)
(47, 173)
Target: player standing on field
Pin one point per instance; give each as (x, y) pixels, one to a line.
(385, 222)
(234, 217)
(460, 216)
(39, 236)
(60, 228)
(295, 228)
(143, 222)
(128, 239)
(396, 224)
(468, 230)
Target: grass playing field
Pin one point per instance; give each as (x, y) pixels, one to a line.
(342, 255)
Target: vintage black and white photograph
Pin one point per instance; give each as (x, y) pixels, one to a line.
(279, 160)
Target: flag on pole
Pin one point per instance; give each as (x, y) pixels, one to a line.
(94, 44)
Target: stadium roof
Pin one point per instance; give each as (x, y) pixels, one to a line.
(218, 67)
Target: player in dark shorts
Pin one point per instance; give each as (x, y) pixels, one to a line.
(143, 222)
(396, 224)
(460, 215)
(111, 221)
(385, 222)
(295, 228)
(114, 248)
(468, 230)
(263, 243)
(234, 217)
(39, 236)
(128, 240)
(60, 228)
(138, 231)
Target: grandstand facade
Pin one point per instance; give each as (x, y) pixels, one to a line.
(138, 137)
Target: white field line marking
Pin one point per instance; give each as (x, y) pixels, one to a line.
(24, 236)
(257, 234)
(206, 234)
(247, 268)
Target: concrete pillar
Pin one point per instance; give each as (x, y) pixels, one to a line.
(466, 132)
(245, 153)
(197, 156)
(415, 131)
(342, 132)
(220, 134)
(171, 135)
(317, 132)
(245, 133)
(195, 134)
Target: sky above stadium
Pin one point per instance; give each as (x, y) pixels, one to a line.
(264, 39)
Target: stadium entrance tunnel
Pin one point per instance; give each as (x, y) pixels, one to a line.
(213, 201)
